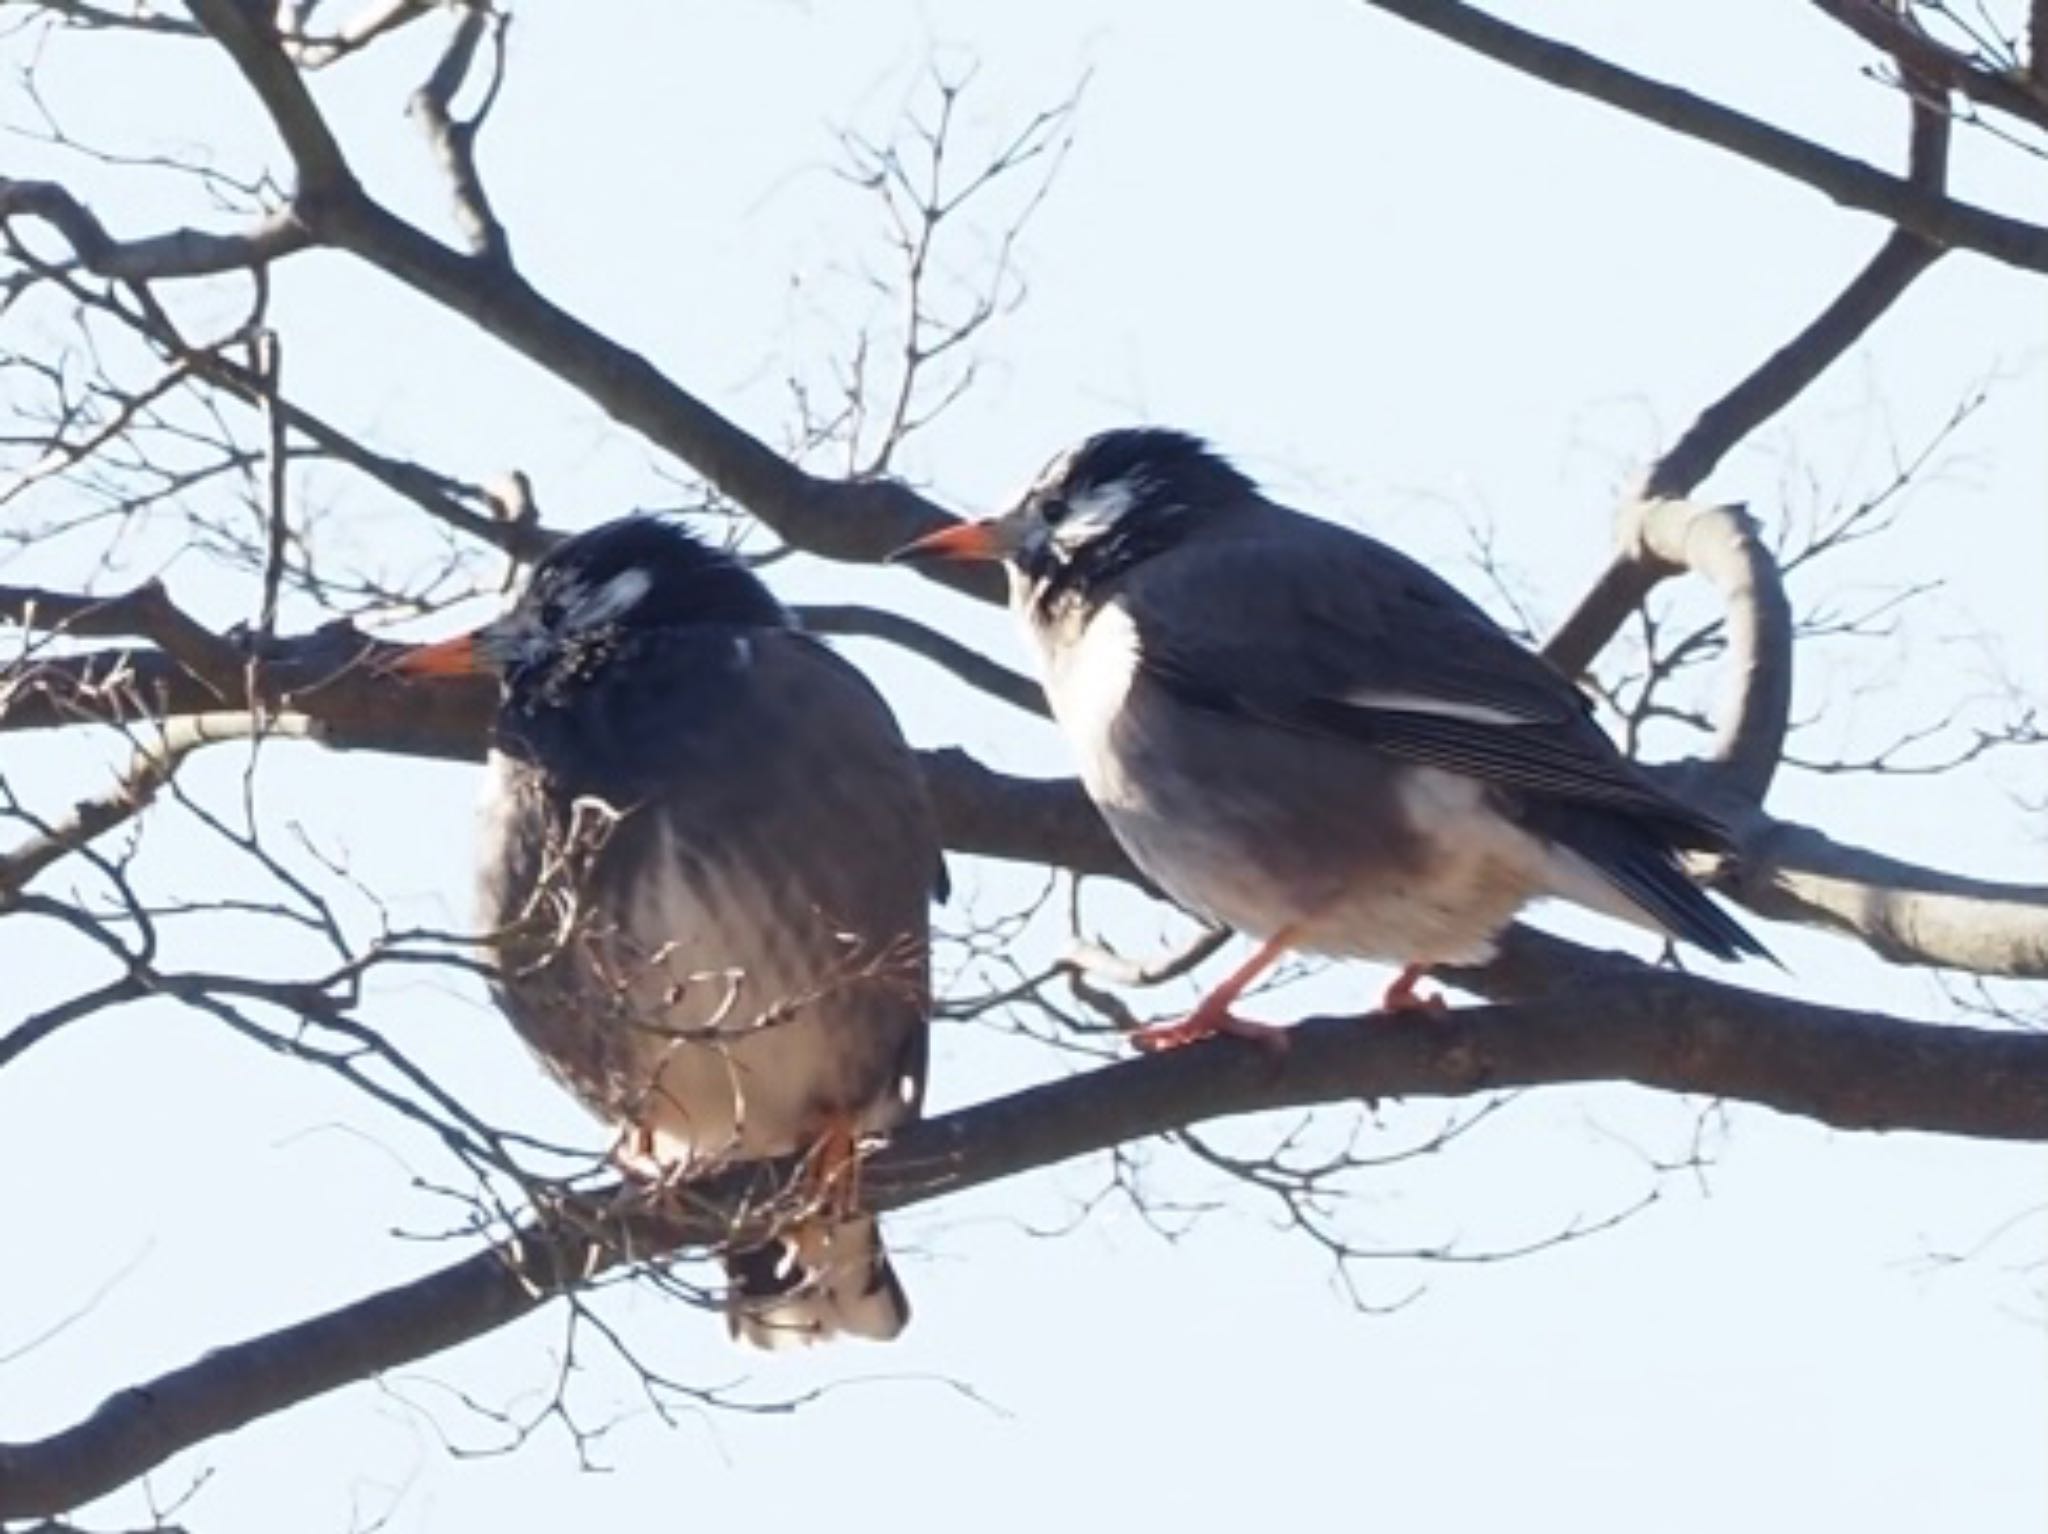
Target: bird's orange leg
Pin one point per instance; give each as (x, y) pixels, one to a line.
(827, 1183)
(1214, 1016)
(824, 1193)
(1402, 994)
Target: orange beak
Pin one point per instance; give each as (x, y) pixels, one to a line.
(961, 542)
(451, 657)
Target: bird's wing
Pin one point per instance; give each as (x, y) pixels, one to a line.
(857, 692)
(1325, 631)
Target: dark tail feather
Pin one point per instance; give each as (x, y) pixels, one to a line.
(815, 1284)
(1644, 867)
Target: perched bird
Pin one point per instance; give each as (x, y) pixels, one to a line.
(1304, 734)
(706, 861)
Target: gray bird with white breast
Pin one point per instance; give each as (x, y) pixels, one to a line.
(1304, 734)
(707, 863)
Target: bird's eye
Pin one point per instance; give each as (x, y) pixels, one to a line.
(552, 612)
(1052, 509)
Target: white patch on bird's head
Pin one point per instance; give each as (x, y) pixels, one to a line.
(595, 606)
(569, 604)
(563, 609)
(1078, 520)
(1059, 522)
(1099, 510)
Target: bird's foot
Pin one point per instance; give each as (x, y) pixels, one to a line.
(1205, 1022)
(649, 1180)
(634, 1154)
(823, 1196)
(1403, 993)
(827, 1182)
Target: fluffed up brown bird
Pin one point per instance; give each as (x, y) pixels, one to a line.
(708, 857)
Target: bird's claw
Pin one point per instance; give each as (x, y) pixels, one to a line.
(1404, 993)
(1204, 1024)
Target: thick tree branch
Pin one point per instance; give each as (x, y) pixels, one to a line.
(147, 612)
(1852, 1070)
(1905, 913)
(1782, 870)
(1656, 539)
(853, 520)
(1616, 592)
(328, 678)
(1721, 544)
(248, 33)
(1046, 821)
(1846, 181)
(323, 678)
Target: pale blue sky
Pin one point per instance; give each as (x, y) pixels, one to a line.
(1409, 290)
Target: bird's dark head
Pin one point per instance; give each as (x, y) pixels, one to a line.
(641, 572)
(594, 591)
(1098, 509)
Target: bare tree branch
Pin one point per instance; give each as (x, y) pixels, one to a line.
(147, 612)
(1780, 379)
(1027, 820)
(454, 141)
(437, 494)
(1908, 914)
(969, 665)
(853, 520)
(311, 51)
(1659, 538)
(1576, 1015)
(324, 677)
(248, 33)
(1617, 591)
(1844, 180)
(1722, 545)
(65, 454)
(179, 253)
(1853, 1070)
(32, 1030)
(152, 768)
(329, 679)
(858, 521)
(131, 18)
(1786, 373)
(1895, 34)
